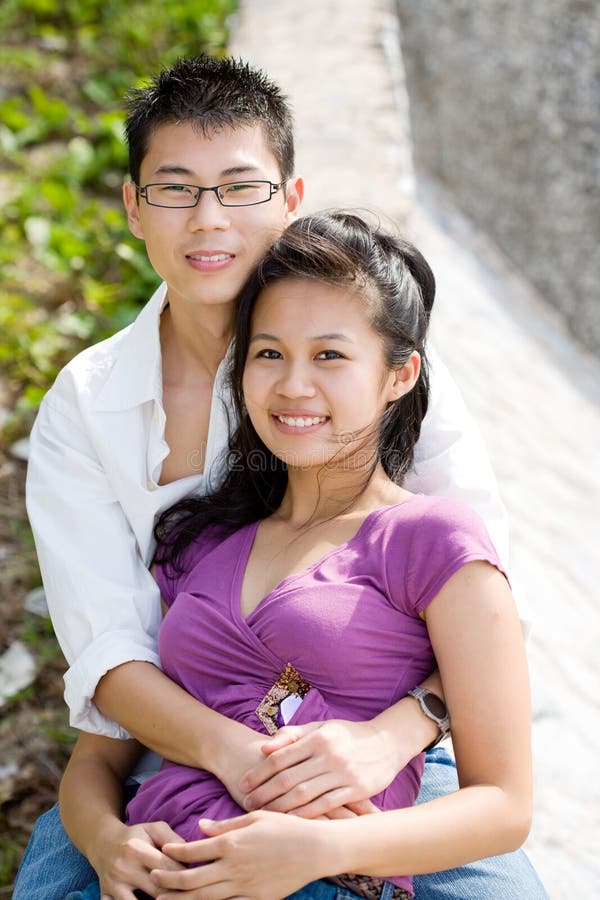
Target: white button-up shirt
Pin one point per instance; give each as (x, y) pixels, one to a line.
(93, 495)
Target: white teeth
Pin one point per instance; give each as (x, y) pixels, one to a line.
(303, 422)
(217, 257)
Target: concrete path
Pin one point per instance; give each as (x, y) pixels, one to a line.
(533, 391)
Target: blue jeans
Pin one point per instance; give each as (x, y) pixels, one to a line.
(316, 890)
(52, 867)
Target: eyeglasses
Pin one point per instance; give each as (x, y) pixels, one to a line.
(184, 196)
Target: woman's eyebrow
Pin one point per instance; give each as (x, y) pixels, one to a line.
(333, 336)
(263, 336)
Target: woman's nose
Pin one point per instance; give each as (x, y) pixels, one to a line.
(296, 381)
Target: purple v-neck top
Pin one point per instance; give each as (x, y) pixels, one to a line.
(349, 623)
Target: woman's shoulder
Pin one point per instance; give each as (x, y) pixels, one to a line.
(431, 528)
(424, 541)
(427, 512)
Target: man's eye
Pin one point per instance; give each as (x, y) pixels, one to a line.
(241, 187)
(268, 354)
(176, 189)
(329, 354)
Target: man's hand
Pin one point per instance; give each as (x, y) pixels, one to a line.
(313, 769)
(124, 861)
(243, 751)
(260, 856)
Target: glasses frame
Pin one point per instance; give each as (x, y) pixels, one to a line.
(142, 190)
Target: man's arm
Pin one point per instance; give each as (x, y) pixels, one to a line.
(122, 856)
(103, 602)
(105, 607)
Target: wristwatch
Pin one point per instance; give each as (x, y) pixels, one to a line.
(434, 708)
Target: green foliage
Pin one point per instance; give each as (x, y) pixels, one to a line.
(72, 273)
(10, 853)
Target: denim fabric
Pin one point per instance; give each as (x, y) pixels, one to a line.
(510, 876)
(52, 867)
(92, 892)
(323, 890)
(317, 890)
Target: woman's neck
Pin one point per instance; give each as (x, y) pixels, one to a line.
(314, 495)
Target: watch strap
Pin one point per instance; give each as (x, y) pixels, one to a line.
(435, 709)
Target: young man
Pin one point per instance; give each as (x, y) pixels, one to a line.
(139, 421)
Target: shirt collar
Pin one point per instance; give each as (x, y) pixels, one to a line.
(136, 376)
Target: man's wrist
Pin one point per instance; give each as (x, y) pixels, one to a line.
(221, 748)
(109, 831)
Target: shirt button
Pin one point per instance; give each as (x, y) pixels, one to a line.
(150, 485)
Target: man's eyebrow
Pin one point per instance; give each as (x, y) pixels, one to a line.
(172, 169)
(240, 170)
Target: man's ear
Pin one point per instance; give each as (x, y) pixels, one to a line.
(294, 193)
(130, 201)
(403, 380)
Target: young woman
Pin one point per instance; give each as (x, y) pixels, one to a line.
(311, 586)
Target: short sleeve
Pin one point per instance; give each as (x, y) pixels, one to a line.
(446, 534)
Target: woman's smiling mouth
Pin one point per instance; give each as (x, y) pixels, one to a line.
(299, 421)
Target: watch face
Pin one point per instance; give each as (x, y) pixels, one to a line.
(435, 705)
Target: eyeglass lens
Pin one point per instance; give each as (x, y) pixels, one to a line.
(239, 193)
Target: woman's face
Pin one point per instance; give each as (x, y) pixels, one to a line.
(315, 380)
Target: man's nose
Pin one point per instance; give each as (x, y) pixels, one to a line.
(208, 213)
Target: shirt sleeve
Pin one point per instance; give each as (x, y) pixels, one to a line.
(445, 537)
(451, 459)
(102, 599)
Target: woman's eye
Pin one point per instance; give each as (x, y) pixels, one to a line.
(329, 354)
(268, 354)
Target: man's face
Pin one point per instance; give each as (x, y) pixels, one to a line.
(205, 253)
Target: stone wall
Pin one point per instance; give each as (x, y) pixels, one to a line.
(505, 110)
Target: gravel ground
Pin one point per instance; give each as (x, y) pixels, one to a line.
(533, 391)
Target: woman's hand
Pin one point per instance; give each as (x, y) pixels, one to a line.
(260, 856)
(125, 857)
(313, 769)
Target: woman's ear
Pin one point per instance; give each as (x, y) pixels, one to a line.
(403, 380)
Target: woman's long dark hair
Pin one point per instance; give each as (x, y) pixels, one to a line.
(398, 288)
